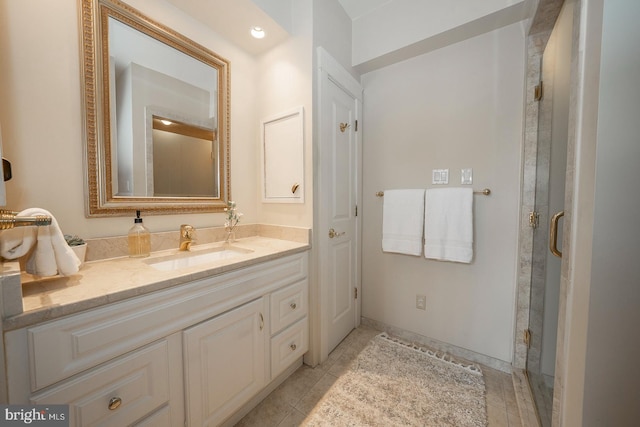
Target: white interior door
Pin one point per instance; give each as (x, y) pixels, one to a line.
(341, 234)
(338, 233)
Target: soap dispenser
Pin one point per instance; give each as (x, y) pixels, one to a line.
(139, 238)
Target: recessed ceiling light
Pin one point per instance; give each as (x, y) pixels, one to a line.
(166, 122)
(258, 32)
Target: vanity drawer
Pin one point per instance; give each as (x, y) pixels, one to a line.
(139, 381)
(289, 345)
(288, 305)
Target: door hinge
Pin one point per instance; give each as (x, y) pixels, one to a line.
(355, 293)
(534, 219)
(538, 91)
(527, 338)
(356, 126)
(356, 210)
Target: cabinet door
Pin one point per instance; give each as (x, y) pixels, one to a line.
(283, 157)
(225, 363)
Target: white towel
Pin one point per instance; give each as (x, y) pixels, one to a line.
(448, 224)
(403, 221)
(51, 255)
(17, 242)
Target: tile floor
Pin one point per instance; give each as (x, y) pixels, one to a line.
(289, 404)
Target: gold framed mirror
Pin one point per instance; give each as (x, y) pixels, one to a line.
(142, 80)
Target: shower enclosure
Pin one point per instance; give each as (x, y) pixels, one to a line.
(551, 159)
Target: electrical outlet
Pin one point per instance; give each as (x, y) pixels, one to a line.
(421, 302)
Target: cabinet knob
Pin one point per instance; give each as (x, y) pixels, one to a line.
(293, 347)
(293, 306)
(294, 188)
(114, 403)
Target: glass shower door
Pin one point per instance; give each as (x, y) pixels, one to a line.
(550, 185)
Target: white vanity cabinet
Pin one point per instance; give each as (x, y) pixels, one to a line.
(194, 354)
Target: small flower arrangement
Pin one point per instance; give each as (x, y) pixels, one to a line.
(233, 218)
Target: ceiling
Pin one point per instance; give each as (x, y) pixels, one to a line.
(357, 8)
(232, 19)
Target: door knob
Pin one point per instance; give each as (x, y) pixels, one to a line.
(333, 233)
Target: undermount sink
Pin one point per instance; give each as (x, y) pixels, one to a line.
(190, 259)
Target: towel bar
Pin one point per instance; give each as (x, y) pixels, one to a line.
(10, 219)
(484, 192)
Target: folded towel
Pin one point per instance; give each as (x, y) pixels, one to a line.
(403, 221)
(51, 255)
(17, 242)
(448, 224)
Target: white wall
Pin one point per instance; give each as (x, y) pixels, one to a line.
(332, 30)
(401, 29)
(40, 108)
(613, 347)
(41, 114)
(284, 83)
(457, 107)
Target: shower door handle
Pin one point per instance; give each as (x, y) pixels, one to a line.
(553, 234)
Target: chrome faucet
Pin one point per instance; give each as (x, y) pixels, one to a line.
(187, 236)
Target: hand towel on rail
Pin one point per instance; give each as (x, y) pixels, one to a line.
(51, 254)
(17, 242)
(403, 221)
(448, 224)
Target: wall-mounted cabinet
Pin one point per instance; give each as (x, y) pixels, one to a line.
(282, 150)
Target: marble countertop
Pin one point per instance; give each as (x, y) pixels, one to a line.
(107, 281)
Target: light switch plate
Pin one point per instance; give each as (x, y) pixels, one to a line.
(440, 176)
(466, 176)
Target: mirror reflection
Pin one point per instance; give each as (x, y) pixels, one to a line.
(164, 116)
(185, 159)
(150, 76)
